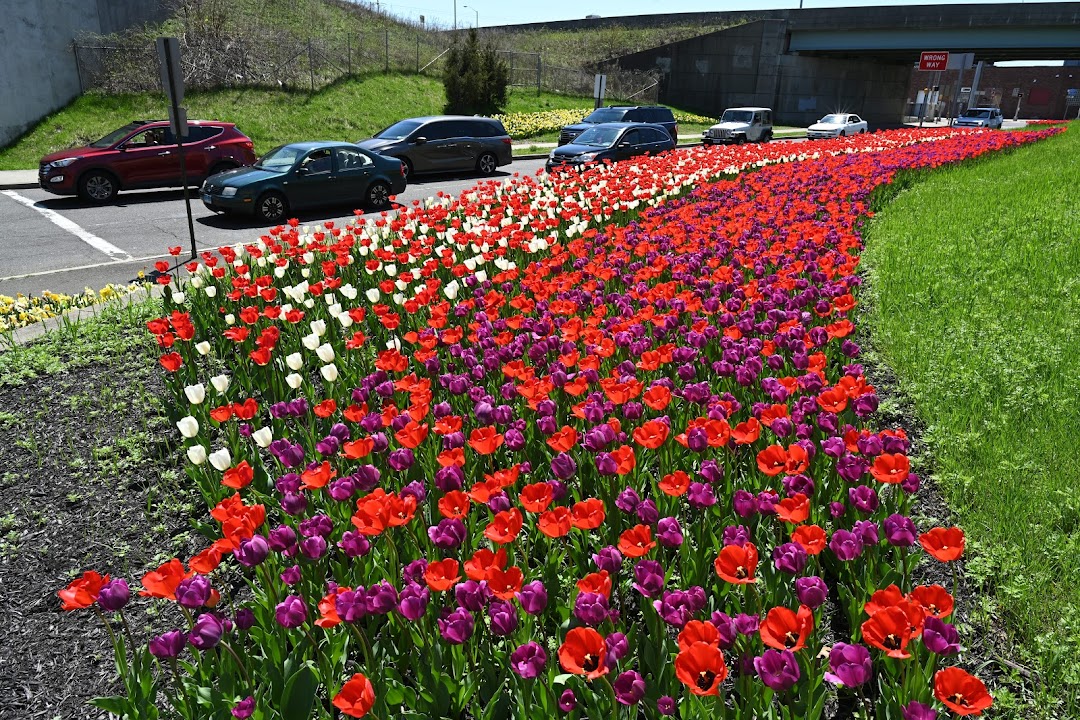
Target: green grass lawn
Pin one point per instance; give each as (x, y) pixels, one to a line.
(975, 281)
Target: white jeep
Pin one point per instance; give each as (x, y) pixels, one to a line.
(739, 125)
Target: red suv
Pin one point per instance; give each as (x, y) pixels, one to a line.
(143, 154)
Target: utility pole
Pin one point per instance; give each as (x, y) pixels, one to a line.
(973, 98)
(455, 14)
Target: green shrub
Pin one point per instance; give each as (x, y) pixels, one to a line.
(476, 79)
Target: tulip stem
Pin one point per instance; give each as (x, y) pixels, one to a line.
(239, 663)
(127, 632)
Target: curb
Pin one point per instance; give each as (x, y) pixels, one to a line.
(15, 185)
(27, 334)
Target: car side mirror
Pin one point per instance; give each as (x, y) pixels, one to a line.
(420, 140)
(624, 144)
(303, 170)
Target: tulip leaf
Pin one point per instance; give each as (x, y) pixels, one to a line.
(394, 695)
(561, 679)
(120, 706)
(299, 695)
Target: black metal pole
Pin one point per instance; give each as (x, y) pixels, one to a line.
(180, 146)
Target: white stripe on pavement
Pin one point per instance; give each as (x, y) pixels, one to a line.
(62, 222)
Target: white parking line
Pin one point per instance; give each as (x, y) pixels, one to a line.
(60, 221)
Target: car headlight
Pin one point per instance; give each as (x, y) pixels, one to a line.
(228, 192)
(63, 163)
(551, 155)
(585, 157)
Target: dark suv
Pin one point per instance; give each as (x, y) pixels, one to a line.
(143, 154)
(654, 114)
(444, 143)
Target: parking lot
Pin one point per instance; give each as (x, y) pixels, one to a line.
(63, 244)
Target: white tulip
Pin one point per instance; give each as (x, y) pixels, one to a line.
(294, 361)
(450, 290)
(334, 310)
(196, 454)
(263, 437)
(178, 297)
(305, 272)
(310, 341)
(195, 393)
(230, 319)
(279, 272)
(294, 381)
(196, 282)
(188, 426)
(329, 372)
(372, 294)
(203, 348)
(318, 327)
(309, 303)
(261, 262)
(481, 276)
(309, 257)
(220, 383)
(211, 291)
(348, 291)
(325, 352)
(221, 459)
(391, 269)
(345, 320)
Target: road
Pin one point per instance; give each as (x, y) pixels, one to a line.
(65, 245)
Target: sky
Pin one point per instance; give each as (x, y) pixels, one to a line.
(501, 12)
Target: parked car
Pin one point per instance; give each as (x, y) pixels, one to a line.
(653, 114)
(836, 125)
(739, 125)
(144, 154)
(981, 117)
(611, 141)
(444, 143)
(304, 175)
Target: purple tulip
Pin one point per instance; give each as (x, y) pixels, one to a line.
(900, 531)
(736, 535)
(252, 551)
(168, 645)
(533, 597)
(563, 466)
(609, 558)
(665, 705)
(413, 601)
(790, 558)
(747, 624)
(647, 512)
(528, 660)
(649, 577)
(779, 670)
(668, 532)
(245, 619)
(627, 500)
(811, 591)
(244, 709)
(193, 592)
(918, 711)
(617, 647)
(354, 544)
(456, 626)
(206, 632)
(846, 545)
(313, 547)
(567, 701)
(504, 619)
(940, 637)
(291, 612)
(448, 534)
(291, 575)
(744, 503)
(849, 665)
(472, 595)
(114, 595)
(700, 496)
(591, 608)
(381, 598)
(867, 530)
(281, 538)
(629, 688)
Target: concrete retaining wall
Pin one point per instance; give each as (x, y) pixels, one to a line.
(38, 74)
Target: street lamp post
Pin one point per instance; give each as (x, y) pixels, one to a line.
(477, 24)
(455, 14)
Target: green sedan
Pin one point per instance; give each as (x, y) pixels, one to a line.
(305, 175)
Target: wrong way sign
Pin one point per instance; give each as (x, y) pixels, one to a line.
(933, 60)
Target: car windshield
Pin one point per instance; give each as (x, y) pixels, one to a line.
(399, 130)
(834, 119)
(280, 158)
(977, 113)
(115, 136)
(598, 137)
(739, 116)
(604, 115)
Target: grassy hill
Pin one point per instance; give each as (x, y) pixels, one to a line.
(348, 110)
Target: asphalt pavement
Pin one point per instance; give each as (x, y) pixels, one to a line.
(65, 245)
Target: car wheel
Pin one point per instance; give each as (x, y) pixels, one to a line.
(843, 133)
(221, 167)
(378, 194)
(407, 166)
(271, 207)
(740, 139)
(767, 137)
(98, 186)
(487, 164)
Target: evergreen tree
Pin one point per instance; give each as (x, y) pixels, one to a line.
(475, 77)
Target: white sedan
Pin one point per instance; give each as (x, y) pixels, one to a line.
(836, 125)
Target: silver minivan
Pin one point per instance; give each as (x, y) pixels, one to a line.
(444, 143)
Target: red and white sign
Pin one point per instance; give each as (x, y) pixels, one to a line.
(933, 60)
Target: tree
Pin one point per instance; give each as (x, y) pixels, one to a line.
(475, 77)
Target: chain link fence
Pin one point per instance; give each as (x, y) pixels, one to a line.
(281, 60)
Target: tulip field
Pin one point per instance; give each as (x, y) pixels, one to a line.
(583, 445)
